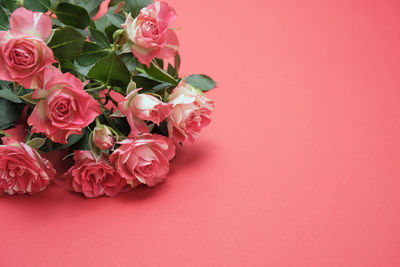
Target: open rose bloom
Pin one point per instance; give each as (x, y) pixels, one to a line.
(99, 91)
(190, 112)
(22, 169)
(144, 159)
(150, 34)
(139, 108)
(94, 177)
(64, 108)
(24, 54)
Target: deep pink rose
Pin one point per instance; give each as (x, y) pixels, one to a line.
(144, 159)
(103, 137)
(141, 107)
(22, 169)
(190, 112)
(64, 108)
(149, 33)
(23, 53)
(93, 178)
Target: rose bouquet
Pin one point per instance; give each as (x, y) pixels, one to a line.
(108, 90)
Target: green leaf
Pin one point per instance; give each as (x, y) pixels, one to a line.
(145, 83)
(72, 140)
(67, 65)
(111, 71)
(37, 5)
(177, 62)
(99, 38)
(28, 98)
(109, 30)
(8, 94)
(121, 123)
(84, 70)
(201, 81)
(172, 71)
(159, 74)
(73, 15)
(4, 25)
(67, 43)
(91, 53)
(9, 4)
(11, 112)
(103, 22)
(3, 133)
(132, 6)
(162, 129)
(56, 23)
(36, 142)
(159, 62)
(130, 61)
(92, 6)
(161, 87)
(116, 19)
(83, 144)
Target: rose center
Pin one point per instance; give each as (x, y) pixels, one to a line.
(22, 57)
(96, 175)
(153, 113)
(193, 117)
(61, 109)
(146, 169)
(150, 28)
(14, 170)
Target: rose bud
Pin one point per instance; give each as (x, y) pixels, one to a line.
(103, 137)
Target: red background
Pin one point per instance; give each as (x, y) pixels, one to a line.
(300, 166)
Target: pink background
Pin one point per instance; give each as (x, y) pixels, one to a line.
(300, 166)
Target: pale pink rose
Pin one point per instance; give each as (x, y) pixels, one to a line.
(103, 137)
(144, 159)
(93, 178)
(22, 169)
(190, 112)
(149, 33)
(23, 53)
(64, 108)
(141, 107)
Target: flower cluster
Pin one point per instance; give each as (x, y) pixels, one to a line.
(106, 90)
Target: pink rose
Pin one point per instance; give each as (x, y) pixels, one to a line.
(150, 34)
(93, 178)
(140, 107)
(64, 108)
(144, 159)
(23, 53)
(103, 137)
(22, 169)
(190, 112)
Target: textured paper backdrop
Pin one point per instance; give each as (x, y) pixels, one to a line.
(300, 166)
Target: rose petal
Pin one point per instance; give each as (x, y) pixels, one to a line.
(31, 23)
